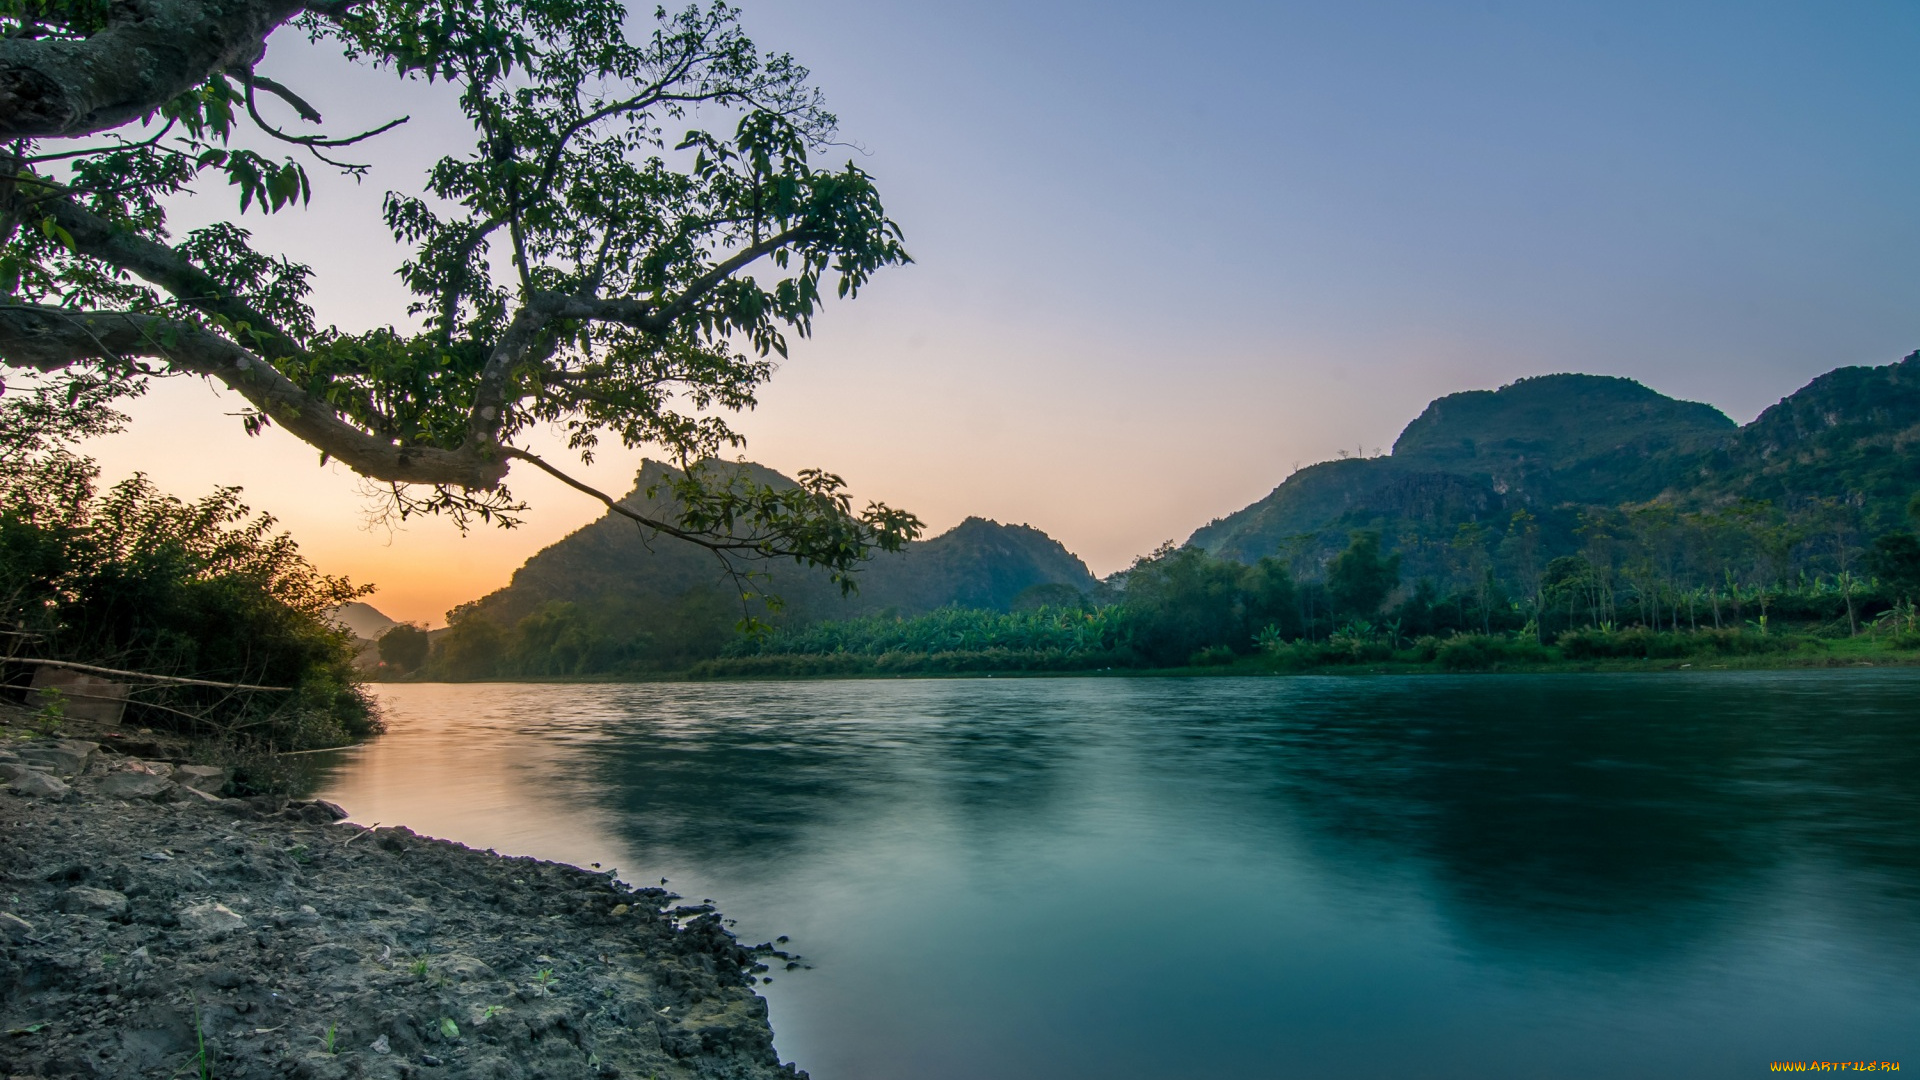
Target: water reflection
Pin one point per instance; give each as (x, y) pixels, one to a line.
(1187, 877)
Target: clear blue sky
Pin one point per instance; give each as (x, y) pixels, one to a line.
(1166, 255)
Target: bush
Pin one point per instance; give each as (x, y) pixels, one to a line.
(1481, 652)
(1640, 643)
(203, 590)
(1212, 656)
(1301, 655)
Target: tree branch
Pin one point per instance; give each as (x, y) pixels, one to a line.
(50, 338)
(157, 263)
(252, 79)
(644, 314)
(747, 544)
(149, 53)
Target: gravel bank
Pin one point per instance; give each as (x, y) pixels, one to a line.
(149, 928)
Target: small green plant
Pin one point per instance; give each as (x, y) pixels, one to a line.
(52, 716)
(299, 854)
(449, 1029)
(201, 1065)
(489, 1012)
(328, 1041)
(543, 980)
(108, 959)
(419, 968)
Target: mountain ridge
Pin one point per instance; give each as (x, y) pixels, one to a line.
(1554, 443)
(977, 563)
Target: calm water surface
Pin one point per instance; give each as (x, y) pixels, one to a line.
(1569, 876)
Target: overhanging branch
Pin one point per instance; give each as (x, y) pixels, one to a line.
(746, 545)
(50, 338)
(148, 54)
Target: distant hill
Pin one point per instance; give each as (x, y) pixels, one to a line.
(1552, 444)
(363, 620)
(1562, 438)
(1853, 432)
(613, 563)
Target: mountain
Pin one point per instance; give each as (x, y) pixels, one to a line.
(1853, 432)
(1554, 444)
(612, 563)
(1562, 438)
(1534, 444)
(363, 620)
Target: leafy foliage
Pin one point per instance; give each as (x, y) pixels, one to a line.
(138, 580)
(1360, 578)
(638, 227)
(206, 590)
(404, 647)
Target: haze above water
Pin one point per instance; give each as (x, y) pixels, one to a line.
(1238, 877)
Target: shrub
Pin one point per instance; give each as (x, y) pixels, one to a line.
(143, 581)
(1640, 643)
(1480, 652)
(1300, 655)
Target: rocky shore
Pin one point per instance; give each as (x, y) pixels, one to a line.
(151, 927)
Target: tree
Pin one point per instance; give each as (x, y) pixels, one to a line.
(1271, 598)
(472, 648)
(1895, 560)
(579, 267)
(1521, 550)
(1360, 579)
(404, 646)
(1182, 600)
(1473, 568)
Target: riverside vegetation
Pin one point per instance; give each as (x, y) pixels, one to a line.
(133, 579)
(1566, 519)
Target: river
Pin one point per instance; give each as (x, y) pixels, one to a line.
(1689, 874)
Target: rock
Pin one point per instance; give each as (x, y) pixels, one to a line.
(204, 778)
(134, 785)
(104, 903)
(381, 1046)
(211, 919)
(13, 927)
(38, 784)
(306, 916)
(67, 757)
(14, 770)
(318, 811)
(181, 793)
(225, 978)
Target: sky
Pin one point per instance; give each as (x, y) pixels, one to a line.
(1165, 257)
